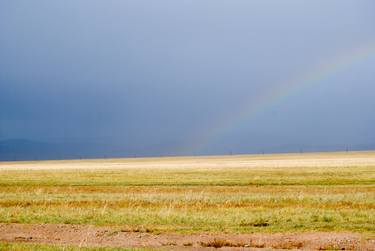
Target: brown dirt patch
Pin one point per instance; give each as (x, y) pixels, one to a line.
(86, 235)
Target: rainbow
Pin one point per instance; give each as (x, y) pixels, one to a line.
(313, 76)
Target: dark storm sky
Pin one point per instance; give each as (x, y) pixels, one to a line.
(156, 76)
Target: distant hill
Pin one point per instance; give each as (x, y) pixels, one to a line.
(20, 145)
(23, 149)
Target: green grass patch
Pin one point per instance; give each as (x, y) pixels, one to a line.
(41, 247)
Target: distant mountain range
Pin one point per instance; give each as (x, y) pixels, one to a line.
(23, 149)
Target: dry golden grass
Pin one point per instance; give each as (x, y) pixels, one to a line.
(337, 159)
(268, 193)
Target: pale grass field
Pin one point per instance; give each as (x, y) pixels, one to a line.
(233, 194)
(337, 159)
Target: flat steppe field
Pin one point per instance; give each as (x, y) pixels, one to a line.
(309, 201)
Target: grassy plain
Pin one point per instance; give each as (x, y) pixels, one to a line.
(40, 247)
(233, 194)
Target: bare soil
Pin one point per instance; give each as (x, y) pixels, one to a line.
(93, 236)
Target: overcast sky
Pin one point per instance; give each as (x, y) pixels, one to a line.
(159, 76)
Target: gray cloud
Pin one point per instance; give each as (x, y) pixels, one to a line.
(151, 77)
